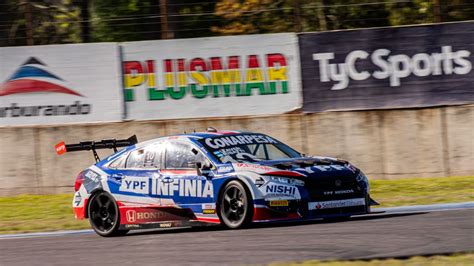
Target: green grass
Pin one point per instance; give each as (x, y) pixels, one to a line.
(451, 260)
(33, 213)
(415, 191)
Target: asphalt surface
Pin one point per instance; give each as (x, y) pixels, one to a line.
(376, 236)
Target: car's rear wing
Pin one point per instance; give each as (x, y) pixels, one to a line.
(62, 148)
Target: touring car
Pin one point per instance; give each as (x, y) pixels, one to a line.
(231, 178)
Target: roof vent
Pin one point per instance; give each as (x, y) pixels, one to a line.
(211, 129)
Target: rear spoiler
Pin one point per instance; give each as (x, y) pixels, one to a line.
(62, 148)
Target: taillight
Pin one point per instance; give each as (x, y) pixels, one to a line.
(79, 180)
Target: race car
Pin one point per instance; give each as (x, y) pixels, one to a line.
(230, 178)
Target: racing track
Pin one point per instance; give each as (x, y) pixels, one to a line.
(375, 236)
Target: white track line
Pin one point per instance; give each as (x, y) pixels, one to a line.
(427, 208)
(392, 210)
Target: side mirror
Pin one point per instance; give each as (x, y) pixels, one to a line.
(203, 169)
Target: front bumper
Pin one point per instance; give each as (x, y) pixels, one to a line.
(307, 209)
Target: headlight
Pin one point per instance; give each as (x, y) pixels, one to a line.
(364, 181)
(283, 180)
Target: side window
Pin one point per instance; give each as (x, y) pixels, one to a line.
(119, 162)
(181, 155)
(146, 157)
(258, 150)
(135, 159)
(274, 153)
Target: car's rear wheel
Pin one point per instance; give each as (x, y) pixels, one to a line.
(235, 205)
(104, 215)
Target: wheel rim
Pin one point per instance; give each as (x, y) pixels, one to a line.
(103, 213)
(234, 205)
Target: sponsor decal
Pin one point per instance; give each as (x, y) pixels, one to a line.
(168, 186)
(91, 181)
(259, 181)
(33, 77)
(183, 188)
(225, 169)
(132, 226)
(336, 204)
(393, 67)
(280, 191)
(134, 216)
(279, 203)
(131, 216)
(76, 108)
(209, 208)
(134, 184)
(229, 151)
(208, 77)
(92, 175)
(228, 141)
(249, 166)
(338, 192)
(77, 199)
(322, 168)
(166, 225)
(60, 148)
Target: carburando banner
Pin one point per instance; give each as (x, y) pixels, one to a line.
(212, 77)
(388, 67)
(57, 84)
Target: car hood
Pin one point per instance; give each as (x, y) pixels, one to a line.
(303, 167)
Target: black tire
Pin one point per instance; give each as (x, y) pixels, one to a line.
(235, 207)
(104, 215)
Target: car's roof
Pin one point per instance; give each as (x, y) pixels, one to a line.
(198, 135)
(213, 134)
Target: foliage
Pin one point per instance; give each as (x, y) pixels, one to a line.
(51, 22)
(60, 21)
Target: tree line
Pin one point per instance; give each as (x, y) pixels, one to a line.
(28, 22)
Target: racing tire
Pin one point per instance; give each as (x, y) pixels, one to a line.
(104, 215)
(235, 207)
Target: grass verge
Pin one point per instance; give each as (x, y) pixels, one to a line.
(415, 191)
(33, 213)
(455, 259)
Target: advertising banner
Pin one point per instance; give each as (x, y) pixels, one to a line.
(212, 77)
(388, 67)
(58, 84)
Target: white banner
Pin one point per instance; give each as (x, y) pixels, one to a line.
(212, 77)
(57, 84)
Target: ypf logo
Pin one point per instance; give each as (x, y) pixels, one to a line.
(131, 216)
(32, 77)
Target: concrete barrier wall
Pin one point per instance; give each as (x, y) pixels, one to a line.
(386, 144)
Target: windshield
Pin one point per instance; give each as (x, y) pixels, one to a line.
(247, 148)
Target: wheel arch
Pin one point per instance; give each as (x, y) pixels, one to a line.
(91, 195)
(246, 183)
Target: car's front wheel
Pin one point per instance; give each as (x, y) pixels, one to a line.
(235, 205)
(104, 215)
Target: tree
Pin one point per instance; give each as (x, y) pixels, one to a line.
(46, 22)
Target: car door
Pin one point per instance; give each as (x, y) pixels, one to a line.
(180, 182)
(133, 181)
